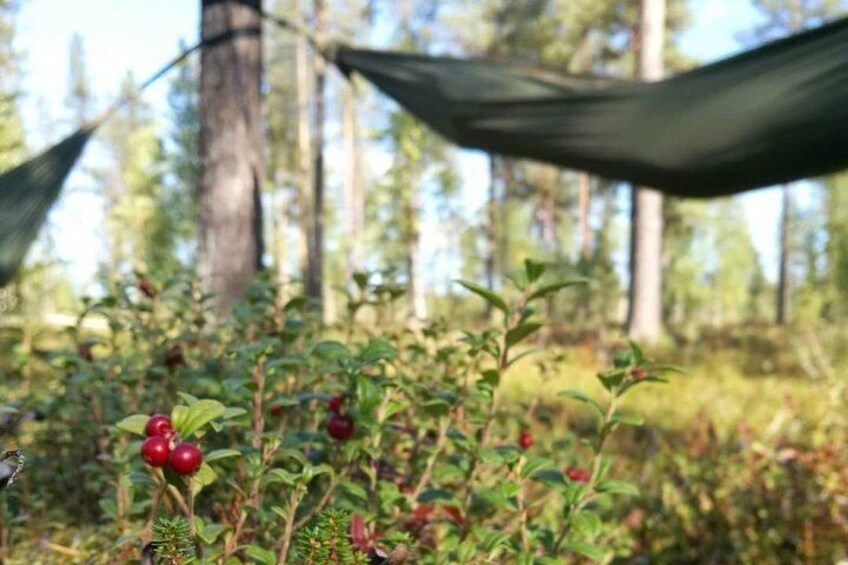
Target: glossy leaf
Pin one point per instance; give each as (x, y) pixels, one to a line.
(555, 287)
(487, 295)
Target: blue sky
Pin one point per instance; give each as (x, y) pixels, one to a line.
(128, 35)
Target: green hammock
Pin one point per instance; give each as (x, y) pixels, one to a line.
(775, 114)
(26, 194)
(771, 115)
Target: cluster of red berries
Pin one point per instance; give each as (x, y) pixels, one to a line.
(161, 448)
(339, 426)
(578, 475)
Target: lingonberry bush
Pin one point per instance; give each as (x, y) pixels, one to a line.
(269, 439)
(276, 442)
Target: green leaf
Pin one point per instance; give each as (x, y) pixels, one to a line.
(493, 540)
(518, 333)
(330, 351)
(354, 489)
(282, 476)
(109, 507)
(133, 424)
(519, 279)
(284, 402)
(368, 392)
(187, 398)
(593, 552)
(611, 379)
(436, 407)
(586, 523)
(553, 477)
(487, 295)
(622, 359)
(627, 419)
(207, 532)
(322, 469)
(144, 479)
(219, 454)
(491, 378)
(582, 397)
(534, 270)
(617, 487)
(555, 287)
(378, 350)
(533, 465)
(295, 303)
(434, 494)
(260, 555)
(205, 476)
(195, 417)
(522, 355)
(666, 368)
(638, 354)
(361, 279)
(491, 456)
(230, 413)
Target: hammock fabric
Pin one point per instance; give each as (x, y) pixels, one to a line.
(775, 114)
(26, 194)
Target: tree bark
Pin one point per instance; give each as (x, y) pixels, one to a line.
(304, 152)
(584, 202)
(230, 217)
(315, 281)
(644, 320)
(417, 296)
(353, 182)
(783, 278)
(491, 225)
(504, 241)
(547, 180)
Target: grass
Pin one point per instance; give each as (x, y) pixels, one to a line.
(719, 384)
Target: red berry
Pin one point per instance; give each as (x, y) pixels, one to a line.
(276, 410)
(146, 288)
(340, 427)
(578, 475)
(638, 374)
(185, 459)
(158, 425)
(335, 404)
(84, 351)
(525, 440)
(155, 450)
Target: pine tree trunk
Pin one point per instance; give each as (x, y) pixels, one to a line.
(491, 226)
(315, 281)
(304, 153)
(584, 202)
(352, 181)
(644, 320)
(230, 218)
(546, 208)
(417, 296)
(280, 230)
(783, 282)
(508, 168)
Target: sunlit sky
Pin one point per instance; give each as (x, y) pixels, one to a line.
(128, 35)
